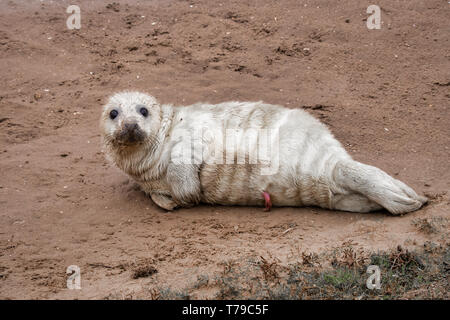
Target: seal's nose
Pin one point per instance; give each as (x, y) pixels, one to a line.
(130, 127)
(131, 133)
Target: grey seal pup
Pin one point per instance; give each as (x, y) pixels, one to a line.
(241, 153)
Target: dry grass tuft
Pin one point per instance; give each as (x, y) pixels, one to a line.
(143, 269)
(269, 269)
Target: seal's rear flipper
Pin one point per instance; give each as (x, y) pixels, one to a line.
(377, 186)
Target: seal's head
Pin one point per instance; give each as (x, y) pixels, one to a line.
(129, 121)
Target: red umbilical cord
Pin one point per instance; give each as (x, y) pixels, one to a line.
(268, 203)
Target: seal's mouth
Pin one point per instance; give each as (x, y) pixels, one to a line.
(130, 135)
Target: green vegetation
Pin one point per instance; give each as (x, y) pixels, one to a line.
(404, 275)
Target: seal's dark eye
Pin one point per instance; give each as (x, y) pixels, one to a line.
(144, 111)
(113, 114)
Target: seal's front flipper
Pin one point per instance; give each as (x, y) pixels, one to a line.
(163, 201)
